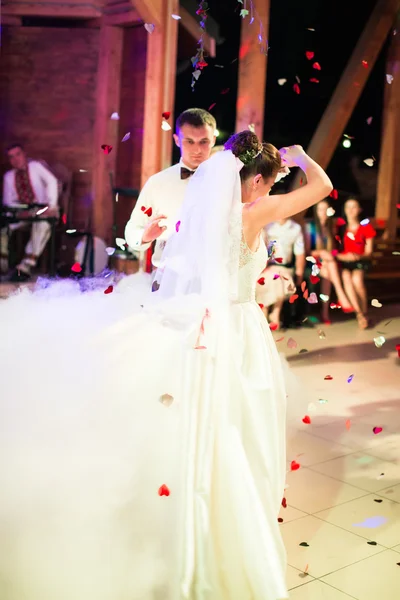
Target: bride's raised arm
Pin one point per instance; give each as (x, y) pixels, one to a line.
(267, 209)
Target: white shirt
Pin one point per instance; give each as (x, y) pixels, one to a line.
(288, 237)
(43, 182)
(164, 193)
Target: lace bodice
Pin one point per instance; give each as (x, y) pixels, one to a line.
(251, 264)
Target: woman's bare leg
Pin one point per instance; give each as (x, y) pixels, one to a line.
(334, 276)
(350, 291)
(361, 291)
(275, 314)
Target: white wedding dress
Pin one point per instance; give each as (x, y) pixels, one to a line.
(97, 422)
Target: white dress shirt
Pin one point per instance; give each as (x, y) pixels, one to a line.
(164, 193)
(288, 237)
(43, 182)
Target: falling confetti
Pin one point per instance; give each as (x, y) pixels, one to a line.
(398, 349)
(293, 298)
(379, 341)
(147, 211)
(284, 503)
(303, 350)
(317, 66)
(273, 326)
(321, 334)
(328, 378)
(294, 466)
(330, 211)
(314, 80)
(282, 81)
(307, 420)
(149, 27)
(110, 251)
(389, 78)
(350, 378)
(314, 279)
(261, 281)
(166, 115)
(76, 268)
(304, 544)
(313, 298)
(166, 400)
(126, 137)
(369, 120)
(369, 162)
(276, 276)
(115, 116)
(165, 126)
(310, 259)
(322, 401)
(364, 222)
(378, 500)
(109, 290)
(364, 64)
(348, 424)
(334, 194)
(291, 343)
(176, 17)
(309, 55)
(106, 148)
(324, 298)
(163, 490)
(376, 303)
(177, 226)
(296, 88)
(377, 430)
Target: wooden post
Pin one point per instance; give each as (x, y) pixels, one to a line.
(250, 103)
(160, 91)
(388, 195)
(106, 130)
(351, 84)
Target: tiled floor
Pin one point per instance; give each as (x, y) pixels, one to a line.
(347, 492)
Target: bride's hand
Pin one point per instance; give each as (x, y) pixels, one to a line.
(290, 155)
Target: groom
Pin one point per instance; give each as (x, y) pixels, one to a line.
(163, 194)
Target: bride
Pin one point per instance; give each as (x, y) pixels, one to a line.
(142, 441)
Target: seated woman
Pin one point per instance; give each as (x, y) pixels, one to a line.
(357, 242)
(320, 242)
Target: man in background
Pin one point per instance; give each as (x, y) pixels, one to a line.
(163, 194)
(28, 182)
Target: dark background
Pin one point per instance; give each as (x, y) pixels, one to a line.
(292, 118)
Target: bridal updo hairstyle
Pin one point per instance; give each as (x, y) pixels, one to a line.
(257, 157)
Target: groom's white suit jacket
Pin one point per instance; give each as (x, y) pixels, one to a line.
(164, 193)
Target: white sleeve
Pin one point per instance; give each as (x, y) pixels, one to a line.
(138, 220)
(9, 192)
(51, 183)
(298, 246)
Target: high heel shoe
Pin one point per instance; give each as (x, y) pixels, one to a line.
(362, 321)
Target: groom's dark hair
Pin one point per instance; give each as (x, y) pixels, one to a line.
(196, 117)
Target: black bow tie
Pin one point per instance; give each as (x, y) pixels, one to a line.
(186, 173)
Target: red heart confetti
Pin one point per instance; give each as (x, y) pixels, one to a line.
(147, 211)
(303, 286)
(334, 194)
(307, 420)
(261, 306)
(163, 490)
(177, 226)
(166, 115)
(261, 281)
(76, 268)
(364, 64)
(314, 279)
(292, 343)
(317, 66)
(293, 298)
(109, 290)
(273, 326)
(278, 260)
(305, 295)
(340, 222)
(314, 80)
(280, 520)
(328, 378)
(106, 149)
(284, 503)
(377, 430)
(294, 466)
(309, 55)
(276, 276)
(348, 424)
(296, 88)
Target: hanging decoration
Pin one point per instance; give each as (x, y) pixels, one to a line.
(247, 10)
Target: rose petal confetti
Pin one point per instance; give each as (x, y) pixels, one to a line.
(328, 378)
(121, 243)
(166, 400)
(369, 162)
(296, 88)
(115, 116)
(309, 55)
(364, 63)
(376, 303)
(321, 334)
(369, 120)
(317, 66)
(261, 281)
(350, 378)
(324, 297)
(166, 115)
(313, 298)
(165, 126)
(305, 294)
(379, 341)
(147, 211)
(293, 298)
(280, 339)
(276, 276)
(284, 503)
(310, 259)
(280, 520)
(163, 490)
(377, 430)
(110, 251)
(340, 222)
(177, 226)
(76, 268)
(176, 17)
(109, 290)
(314, 279)
(298, 79)
(282, 81)
(106, 148)
(291, 343)
(372, 543)
(307, 420)
(389, 78)
(126, 137)
(314, 80)
(149, 27)
(330, 211)
(294, 466)
(334, 194)
(364, 222)
(273, 326)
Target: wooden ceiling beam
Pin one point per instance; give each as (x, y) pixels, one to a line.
(67, 9)
(150, 11)
(348, 91)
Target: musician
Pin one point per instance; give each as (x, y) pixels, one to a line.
(163, 194)
(28, 182)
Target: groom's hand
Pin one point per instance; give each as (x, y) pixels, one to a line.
(153, 230)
